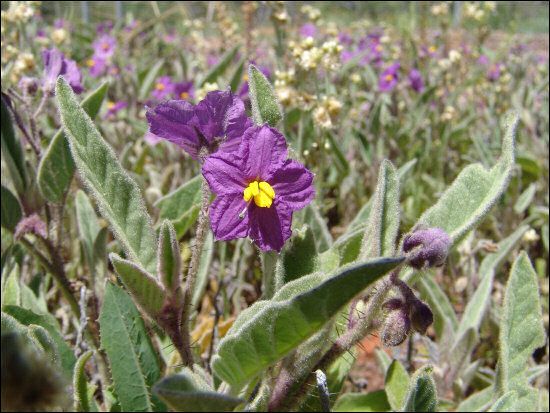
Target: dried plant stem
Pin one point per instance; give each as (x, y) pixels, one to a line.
(290, 401)
(202, 226)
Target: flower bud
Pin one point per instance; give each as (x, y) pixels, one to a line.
(421, 316)
(396, 328)
(427, 247)
(393, 304)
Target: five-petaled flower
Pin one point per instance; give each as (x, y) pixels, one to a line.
(257, 189)
(56, 64)
(216, 123)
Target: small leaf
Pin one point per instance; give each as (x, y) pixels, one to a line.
(11, 210)
(265, 106)
(397, 384)
(219, 68)
(477, 402)
(134, 364)
(88, 226)
(271, 329)
(521, 326)
(460, 352)
(311, 216)
(12, 152)
(473, 193)
(44, 341)
(183, 394)
(506, 403)
(376, 401)
(383, 223)
(299, 255)
(144, 288)
(169, 259)
(56, 167)
(80, 384)
(525, 199)
(237, 76)
(421, 396)
(204, 270)
(117, 195)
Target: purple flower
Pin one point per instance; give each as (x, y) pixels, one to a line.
(388, 78)
(97, 66)
(415, 80)
(114, 107)
(104, 46)
(427, 247)
(217, 122)
(104, 27)
(163, 88)
(56, 64)
(483, 60)
(308, 30)
(494, 72)
(183, 91)
(344, 38)
(151, 138)
(257, 189)
(31, 225)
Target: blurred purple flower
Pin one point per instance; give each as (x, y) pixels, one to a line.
(163, 88)
(114, 107)
(388, 78)
(184, 91)
(104, 46)
(428, 51)
(483, 60)
(97, 66)
(415, 80)
(60, 23)
(308, 30)
(56, 64)
(212, 60)
(345, 39)
(216, 123)
(104, 27)
(494, 72)
(257, 189)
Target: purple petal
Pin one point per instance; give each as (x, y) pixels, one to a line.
(211, 114)
(264, 151)
(293, 185)
(270, 227)
(224, 174)
(173, 120)
(235, 125)
(226, 219)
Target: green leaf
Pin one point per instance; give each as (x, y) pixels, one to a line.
(521, 326)
(525, 199)
(422, 395)
(169, 259)
(219, 68)
(473, 193)
(439, 303)
(45, 342)
(370, 402)
(88, 226)
(148, 80)
(144, 288)
(12, 152)
(460, 352)
(117, 195)
(273, 329)
(506, 403)
(311, 216)
(134, 364)
(182, 205)
(80, 384)
(56, 167)
(265, 106)
(478, 401)
(11, 290)
(383, 223)
(27, 317)
(204, 270)
(237, 76)
(182, 393)
(299, 255)
(396, 384)
(11, 210)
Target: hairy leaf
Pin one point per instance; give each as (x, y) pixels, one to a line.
(169, 259)
(281, 325)
(396, 384)
(422, 395)
(81, 403)
(116, 194)
(376, 401)
(265, 106)
(11, 210)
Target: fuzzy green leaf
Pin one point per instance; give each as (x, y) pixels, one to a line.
(521, 326)
(506, 403)
(473, 193)
(11, 210)
(219, 68)
(117, 195)
(88, 226)
(383, 223)
(376, 401)
(80, 384)
(134, 364)
(183, 394)
(311, 216)
(477, 402)
(422, 395)
(56, 167)
(265, 106)
(182, 205)
(44, 341)
(169, 258)
(204, 270)
(144, 288)
(396, 384)
(237, 76)
(281, 325)
(12, 152)
(299, 255)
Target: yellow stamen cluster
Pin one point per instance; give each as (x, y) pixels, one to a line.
(262, 193)
(160, 86)
(184, 95)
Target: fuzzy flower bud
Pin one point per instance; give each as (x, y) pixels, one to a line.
(427, 247)
(421, 316)
(396, 328)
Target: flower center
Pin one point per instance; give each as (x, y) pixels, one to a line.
(90, 62)
(110, 105)
(160, 86)
(379, 48)
(105, 46)
(262, 193)
(184, 95)
(388, 77)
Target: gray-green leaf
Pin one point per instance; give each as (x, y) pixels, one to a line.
(11, 210)
(422, 395)
(265, 106)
